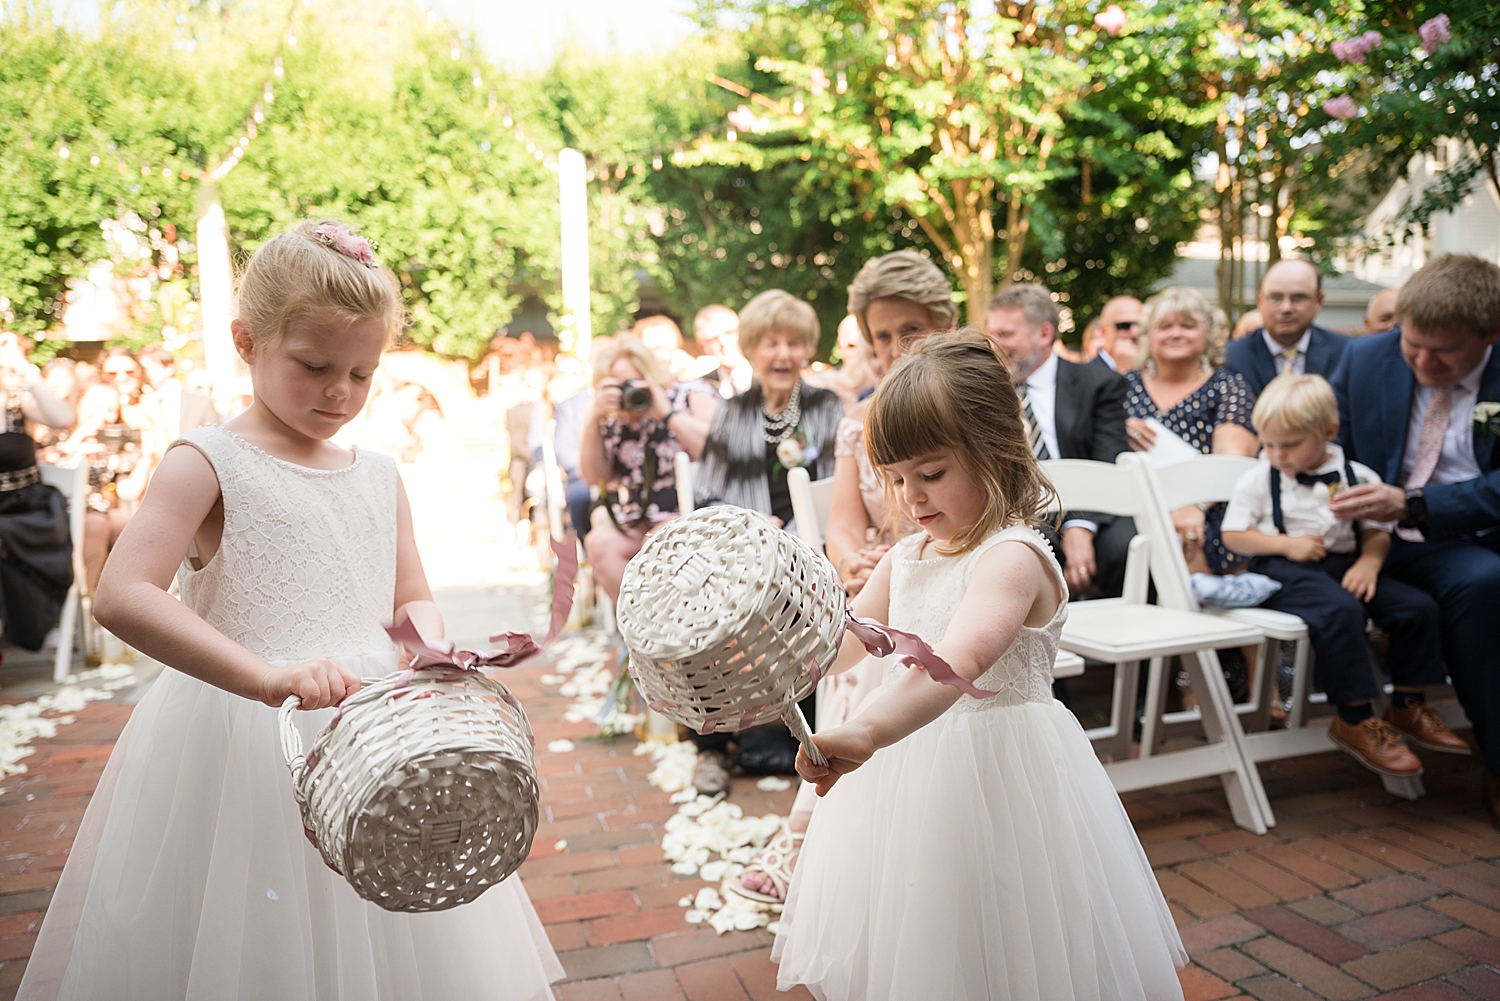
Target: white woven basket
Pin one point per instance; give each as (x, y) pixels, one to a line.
(730, 621)
(422, 793)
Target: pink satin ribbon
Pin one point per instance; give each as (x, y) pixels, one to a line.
(519, 647)
(911, 649)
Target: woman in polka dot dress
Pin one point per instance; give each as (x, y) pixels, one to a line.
(1208, 406)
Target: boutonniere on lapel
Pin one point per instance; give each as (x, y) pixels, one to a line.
(1487, 419)
(795, 451)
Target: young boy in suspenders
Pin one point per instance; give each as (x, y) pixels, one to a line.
(1330, 576)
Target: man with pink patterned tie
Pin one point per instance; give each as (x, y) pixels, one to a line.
(1418, 405)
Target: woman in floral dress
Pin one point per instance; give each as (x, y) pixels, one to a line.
(640, 420)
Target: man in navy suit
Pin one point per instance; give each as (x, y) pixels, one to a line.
(1412, 407)
(1289, 298)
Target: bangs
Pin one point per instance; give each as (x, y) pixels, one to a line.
(909, 418)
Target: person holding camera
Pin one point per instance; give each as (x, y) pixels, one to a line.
(639, 421)
(36, 551)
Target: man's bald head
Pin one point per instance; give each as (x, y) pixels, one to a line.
(1289, 299)
(1380, 314)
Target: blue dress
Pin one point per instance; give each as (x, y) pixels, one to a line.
(1224, 399)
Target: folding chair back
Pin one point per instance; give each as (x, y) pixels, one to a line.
(73, 483)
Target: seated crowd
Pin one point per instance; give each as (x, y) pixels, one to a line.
(1377, 496)
(115, 415)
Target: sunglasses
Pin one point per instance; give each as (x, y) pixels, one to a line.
(1124, 326)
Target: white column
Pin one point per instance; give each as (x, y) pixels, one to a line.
(574, 194)
(215, 295)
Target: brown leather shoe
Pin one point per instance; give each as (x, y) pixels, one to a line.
(1424, 727)
(1377, 745)
(1491, 795)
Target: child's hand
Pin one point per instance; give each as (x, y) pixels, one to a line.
(846, 748)
(1305, 548)
(319, 683)
(1360, 580)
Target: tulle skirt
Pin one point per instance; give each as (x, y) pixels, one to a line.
(191, 879)
(984, 857)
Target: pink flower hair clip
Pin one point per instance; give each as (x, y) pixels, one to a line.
(355, 247)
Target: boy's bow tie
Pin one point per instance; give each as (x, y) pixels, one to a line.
(1308, 479)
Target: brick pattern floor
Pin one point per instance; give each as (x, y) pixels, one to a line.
(1352, 894)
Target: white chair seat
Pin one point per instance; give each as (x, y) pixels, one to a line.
(1114, 631)
(1067, 665)
(1276, 625)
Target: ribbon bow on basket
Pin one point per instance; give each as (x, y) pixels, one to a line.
(730, 622)
(421, 791)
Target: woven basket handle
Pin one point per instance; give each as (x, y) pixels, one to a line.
(795, 722)
(291, 738)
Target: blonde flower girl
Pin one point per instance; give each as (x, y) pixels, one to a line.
(191, 877)
(1003, 865)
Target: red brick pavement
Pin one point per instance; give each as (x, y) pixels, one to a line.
(1352, 894)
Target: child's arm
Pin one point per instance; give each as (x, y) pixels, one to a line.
(1297, 548)
(413, 594)
(1002, 591)
(133, 603)
(1361, 578)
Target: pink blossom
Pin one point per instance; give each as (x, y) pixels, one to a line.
(1435, 33)
(349, 244)
(1356, 49)
(1342, 107)
(1112, 19)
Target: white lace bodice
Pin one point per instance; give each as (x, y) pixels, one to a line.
(926, 592)
(307, 564)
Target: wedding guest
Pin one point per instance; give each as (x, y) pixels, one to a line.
(36, 551)
(1091, 340)
(1181, 385)
(853, 379)
(640, 419)
(663, 338)
(1073, 411)
(1416, 404)
(1380, 312)
(716, 328)
(779, 423)
(1248, 323)
(894, 301)
(174, 408)
(1119, 323)
(1289, 299)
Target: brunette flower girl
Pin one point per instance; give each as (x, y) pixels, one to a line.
(1002, 864)
(191, 877)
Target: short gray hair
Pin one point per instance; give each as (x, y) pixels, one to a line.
(1035, 301)
(902, 274)
(1183, 302)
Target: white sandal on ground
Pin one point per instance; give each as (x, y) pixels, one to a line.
(775, 862)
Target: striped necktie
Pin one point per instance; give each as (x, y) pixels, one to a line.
(1033, 429)
(1289, 361)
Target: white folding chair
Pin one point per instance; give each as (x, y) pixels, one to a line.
(810, 503)
(73, 483)
(685, 470)
(1126, 631)
(1208, 480)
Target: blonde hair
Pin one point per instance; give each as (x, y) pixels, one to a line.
(904, 274)
(1296, 403)
(1452, 292)
(1182, 302)
(953, 391)
(632, 347)
(775, 310)
(295, 275)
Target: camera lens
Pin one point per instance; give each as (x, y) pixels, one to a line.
(635, 396)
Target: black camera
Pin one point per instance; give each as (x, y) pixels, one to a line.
(635, 396)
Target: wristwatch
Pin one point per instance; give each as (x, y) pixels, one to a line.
(1416, 509)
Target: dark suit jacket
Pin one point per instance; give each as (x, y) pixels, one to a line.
(1090, 412)
(1250, 358)
(1098, 361)
(1375, 388)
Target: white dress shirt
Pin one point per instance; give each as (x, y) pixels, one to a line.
(1105, 357)
(1304, 509)
(1456, 462)
(1278, 353)
(1041, 391)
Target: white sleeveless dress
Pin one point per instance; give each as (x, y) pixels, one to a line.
(191, 877)
(986, 856)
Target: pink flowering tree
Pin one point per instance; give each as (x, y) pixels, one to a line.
(1409, 80)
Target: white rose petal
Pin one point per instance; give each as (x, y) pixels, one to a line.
(713, 871)
(708, 899)
(695, 917)
(773, 783)
(685, 902)
(559, 746)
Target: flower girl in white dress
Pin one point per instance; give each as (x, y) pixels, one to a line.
(1002, 865)
(191, 877)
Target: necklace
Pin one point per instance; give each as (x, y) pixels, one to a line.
(779, 427)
